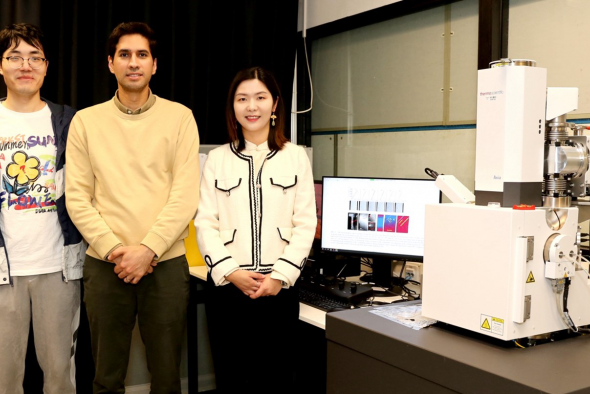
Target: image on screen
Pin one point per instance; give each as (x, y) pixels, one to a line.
(376, 216)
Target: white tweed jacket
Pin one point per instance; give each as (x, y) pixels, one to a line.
(263, 222)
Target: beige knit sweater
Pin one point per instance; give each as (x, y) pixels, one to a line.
(133, 179)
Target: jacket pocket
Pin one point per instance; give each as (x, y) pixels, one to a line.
(285, 182)
(227, 236)
(227, 185)
(285, 233)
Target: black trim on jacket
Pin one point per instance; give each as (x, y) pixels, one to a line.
(228, 191)
(208, 261)
(233, 237)
(283, 186)
(255, 195)
(287, 261)
(281, 236)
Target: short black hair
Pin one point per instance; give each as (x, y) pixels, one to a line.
(12, 35)
(127, 28)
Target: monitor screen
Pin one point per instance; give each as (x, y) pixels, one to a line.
(376, 216)
(318, 208)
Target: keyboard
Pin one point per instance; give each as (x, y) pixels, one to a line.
(321, 301)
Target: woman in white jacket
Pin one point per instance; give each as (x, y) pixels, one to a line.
(255, 226)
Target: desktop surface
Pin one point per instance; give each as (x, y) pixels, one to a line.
(443, 361)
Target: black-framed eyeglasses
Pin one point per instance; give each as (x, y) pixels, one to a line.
(17, 62)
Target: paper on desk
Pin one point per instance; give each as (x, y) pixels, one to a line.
(388, 299)
(408, 315)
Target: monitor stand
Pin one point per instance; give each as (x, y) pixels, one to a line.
(382, 272)
(383, 276)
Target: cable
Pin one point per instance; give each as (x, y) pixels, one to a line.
(580, 257)
(431, 173)
(563, 309)
(310, 81)
(562, 306)
(566, 290)
(560, 310)
(518, 344)
(401, 272)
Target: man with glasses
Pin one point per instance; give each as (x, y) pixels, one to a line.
(41, 252)
(132, 193)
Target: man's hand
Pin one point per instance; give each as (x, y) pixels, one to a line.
(133, 262)
(268, 287)
(116, 261)
(248, 282)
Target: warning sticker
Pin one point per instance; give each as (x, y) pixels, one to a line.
(530, 278)
(491, 324)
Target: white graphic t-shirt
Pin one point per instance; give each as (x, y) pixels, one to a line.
(28, 214)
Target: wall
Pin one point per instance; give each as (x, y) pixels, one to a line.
(554, 33)
(320, 12)
(398, 96)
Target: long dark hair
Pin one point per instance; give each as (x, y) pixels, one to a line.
(276, 135)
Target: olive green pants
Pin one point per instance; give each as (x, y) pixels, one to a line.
(158, 302)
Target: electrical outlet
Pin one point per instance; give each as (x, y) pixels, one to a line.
(413, 271)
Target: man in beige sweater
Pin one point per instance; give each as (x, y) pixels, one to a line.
(132, 183)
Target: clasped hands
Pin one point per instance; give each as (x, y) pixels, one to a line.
(133, 262)
(254, 284)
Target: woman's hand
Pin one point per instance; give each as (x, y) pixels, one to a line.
(248, 282)
(268, 287)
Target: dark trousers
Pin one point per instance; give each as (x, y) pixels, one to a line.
(159, 302)
(253, 342)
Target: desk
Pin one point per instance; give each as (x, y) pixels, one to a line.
(370, 354)
(311, 375)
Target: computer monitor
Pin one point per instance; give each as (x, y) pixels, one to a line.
(376, 217)
(318, 208)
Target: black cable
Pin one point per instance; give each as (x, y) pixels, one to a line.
(431, 173)
(556, 215)
(566, 290)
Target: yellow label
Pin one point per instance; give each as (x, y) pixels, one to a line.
(497, 320)
(565, 275)
(531, 278)
(486, 324)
